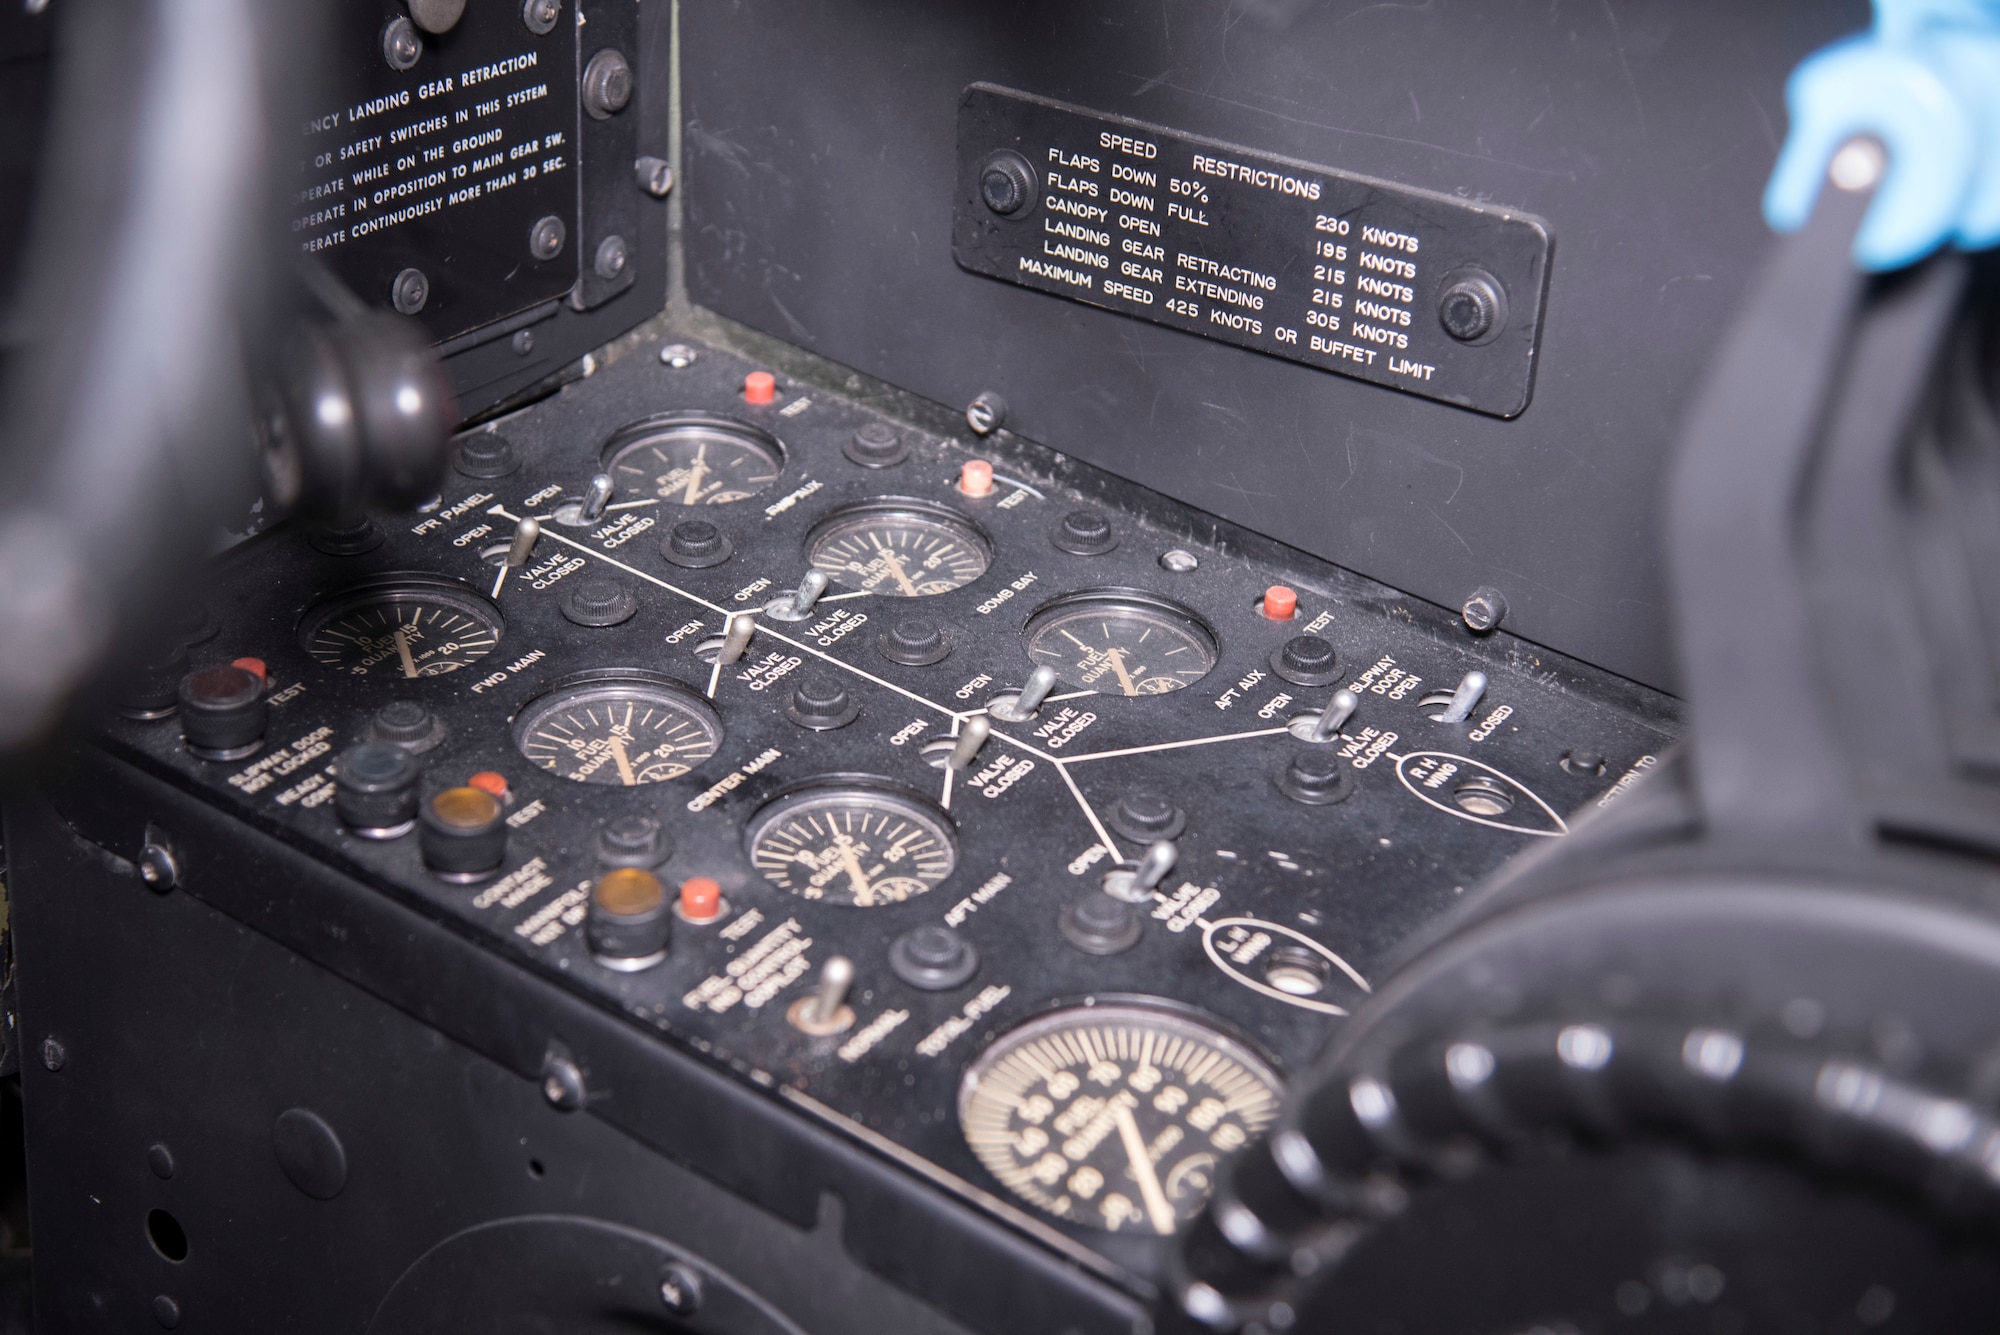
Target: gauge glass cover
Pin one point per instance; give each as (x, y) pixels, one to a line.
(856, 846)
(1115, 1116)
(902, 551)
(694, 461)
(618, 731)
(1121, 645)
(401, 629)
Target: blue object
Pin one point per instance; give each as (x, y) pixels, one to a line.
(1925, 81)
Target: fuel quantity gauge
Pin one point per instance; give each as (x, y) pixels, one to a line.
(692, 459)
(401, 627)
(858, 844)
(1121, 642)
(899, 548)
(618, 727)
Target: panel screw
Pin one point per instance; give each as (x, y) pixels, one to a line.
(523, 342)
(680, 1290)
(545, 239)
(1471, 308)
(1485, 609)
(166, 1311)
(410, 291)
(679, 356)
(1007, 184)
(541, 16)
(607, 84)
(655, 176)
(986, 414)
(1178, 561)
(400, 44)
(54, 1055)
(158, 867)
(611, 256)
(562, 1081)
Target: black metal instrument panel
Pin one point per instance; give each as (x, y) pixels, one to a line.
(1032, 824)
(1421, 291)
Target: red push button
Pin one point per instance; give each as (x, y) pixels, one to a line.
(486, 781)
(255, 665)
(976, 478)
(760, 387)
(1280, 603)
(701, 900)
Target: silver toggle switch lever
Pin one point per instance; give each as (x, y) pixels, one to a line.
(1137, 885)
(526, 534)
(1338, 710)
(1019, 708)
(741, 626)
(977, 730)
(595, 497)
(1465, 699)
(798, 604)
(826, 1011)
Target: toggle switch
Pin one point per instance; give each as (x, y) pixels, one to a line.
(798, 604)
(974, 736)
(1463, 700)
(1021, 706)
(826, 1011)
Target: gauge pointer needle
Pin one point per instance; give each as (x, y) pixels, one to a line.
(624, 762)
(696, 472)
(403, 652)
(864, 893)
(1157, 1208)
(1117, 657)
(895, 564)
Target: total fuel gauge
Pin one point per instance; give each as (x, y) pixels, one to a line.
(1115, 1115)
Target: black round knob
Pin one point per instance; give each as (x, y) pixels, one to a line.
(1306, 660)
(933, 958)
(821, 703)
(1581, 761)
(599, 601)
(1316, 778)
(876, 445)
(152, 688)
(1085, 533)
(485, 454)
(346, 537)
(607, 84)
(375, 789)
(1007, 184)
(1097, 924)
(916, 641)
(629, 922)
(696, 544)
(407, 724)
(223, 713)
(633, 841)
(1146, 815)
(463, 834)
(1470, 307)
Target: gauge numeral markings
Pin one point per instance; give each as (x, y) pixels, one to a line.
(860, 857)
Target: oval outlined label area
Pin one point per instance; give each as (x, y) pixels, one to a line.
(1240, 947)
(1474, 791)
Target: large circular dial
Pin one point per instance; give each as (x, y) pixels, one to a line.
(1120, 642)
(905, 549)
(692, 459)
(1114, 1116)
(852, 844)
(623, 728)
(401, 627)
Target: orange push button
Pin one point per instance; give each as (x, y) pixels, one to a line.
(1280, 603)
(701, 900)
(487, 781)
(760, 387)
(976, 478)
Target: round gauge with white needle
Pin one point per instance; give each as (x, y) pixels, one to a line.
(899, 548)
(853, 843)
(692, 459)
(401, 627)
(1115, 1115)
(1121, 642)
(618, 727)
